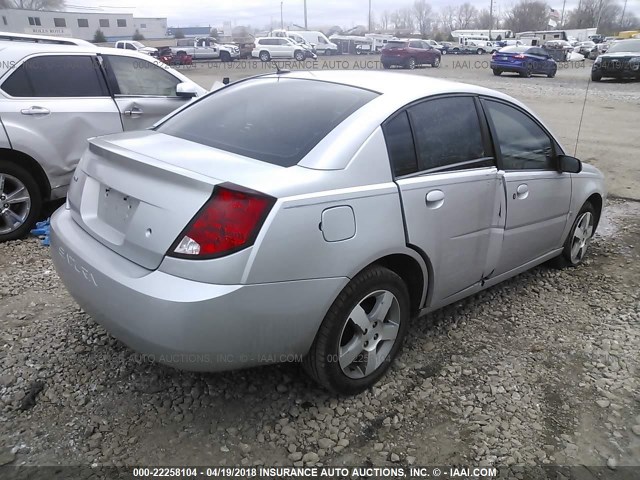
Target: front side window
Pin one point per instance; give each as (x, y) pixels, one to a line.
(524, 145)
(128, 46)
(135, 76)
(447, 132)
(254, 128)
(56, 76)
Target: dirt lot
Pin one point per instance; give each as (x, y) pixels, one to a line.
(540, 370)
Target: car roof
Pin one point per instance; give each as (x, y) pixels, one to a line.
(12, 53)
(25, 37)
(402, 85)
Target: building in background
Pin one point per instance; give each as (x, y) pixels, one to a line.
(114, 26)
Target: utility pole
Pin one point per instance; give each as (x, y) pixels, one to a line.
(369, 16)
(281, 17)
(490, 19)
(305, 15)
(564, 4)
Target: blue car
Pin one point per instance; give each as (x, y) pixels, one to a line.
(523, 60)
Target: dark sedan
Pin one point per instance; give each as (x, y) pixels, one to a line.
(524, 60)
(409, 54)
(622, 60)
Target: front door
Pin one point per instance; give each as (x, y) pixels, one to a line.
(538, 197)
(448, 185)
(143, 91)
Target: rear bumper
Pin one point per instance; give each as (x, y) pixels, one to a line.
(393, 60)
(183, 323)
(507, 67)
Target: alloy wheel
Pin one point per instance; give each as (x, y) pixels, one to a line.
(15, 203)
(581, 237)
(369, 334)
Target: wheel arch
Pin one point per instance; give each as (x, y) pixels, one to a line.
(30, 165)
(413, 269)
(596, 200)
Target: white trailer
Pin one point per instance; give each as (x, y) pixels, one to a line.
(491, 34)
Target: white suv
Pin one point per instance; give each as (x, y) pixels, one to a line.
(267, 48)
(53, 98)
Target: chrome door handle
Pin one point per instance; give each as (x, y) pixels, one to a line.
(435, 199)
(522, 191)
(134, 112)
(35, 110)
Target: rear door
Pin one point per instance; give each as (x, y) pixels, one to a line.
(52, 104)
(449, 186)
(538, 197)
(143, 91)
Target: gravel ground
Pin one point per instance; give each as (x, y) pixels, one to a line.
(540, 370)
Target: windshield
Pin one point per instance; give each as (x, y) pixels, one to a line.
(232, 120)
(137, 44)
(625, 46)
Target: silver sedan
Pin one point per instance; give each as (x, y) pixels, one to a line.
(252, 227)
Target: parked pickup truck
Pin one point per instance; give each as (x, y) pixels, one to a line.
(136, 46)
(206, 49)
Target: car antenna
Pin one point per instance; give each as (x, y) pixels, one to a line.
(279, 70)
(584, 104)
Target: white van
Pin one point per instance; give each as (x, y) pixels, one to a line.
(318, 40)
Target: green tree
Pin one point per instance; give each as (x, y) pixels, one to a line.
(178, 34)
(214, 33)
(99, 37)
(137, 35)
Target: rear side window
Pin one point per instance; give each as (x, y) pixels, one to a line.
(447, 132)
(249, 118)
(57, 76)
(402, 153)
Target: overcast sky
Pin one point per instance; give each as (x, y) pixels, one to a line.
(257, 13)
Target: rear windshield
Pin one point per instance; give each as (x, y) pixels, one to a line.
(276, 120)
(515, 49)
(392, 44)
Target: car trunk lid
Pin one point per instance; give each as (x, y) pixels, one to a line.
(138, 203)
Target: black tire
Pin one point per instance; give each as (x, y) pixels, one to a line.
(552, 73)
(497, 72)
(181, 52)
(321, 361)
(444, 52)
(564, 259)
(527, 71)
(35, 196)
(480, 51)
(225, 56)
(386, 66)
(596, 76)
(298, 55)
(436, 62)
(411, 63)
(265, 56)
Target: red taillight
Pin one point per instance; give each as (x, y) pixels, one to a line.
(520, 55)
(228, 222)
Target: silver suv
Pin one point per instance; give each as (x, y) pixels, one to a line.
(53, 98)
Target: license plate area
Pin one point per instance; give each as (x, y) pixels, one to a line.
(115, 208)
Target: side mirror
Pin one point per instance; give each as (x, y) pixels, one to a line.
(569, 164)
(186, 90)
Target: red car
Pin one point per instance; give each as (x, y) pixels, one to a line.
(409, 54)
